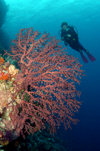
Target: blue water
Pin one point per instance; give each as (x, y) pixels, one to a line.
(47, 15)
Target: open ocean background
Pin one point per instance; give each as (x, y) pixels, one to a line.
(84, 15)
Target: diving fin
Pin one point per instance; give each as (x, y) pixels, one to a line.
(90, 57)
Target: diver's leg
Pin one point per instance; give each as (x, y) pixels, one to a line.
(88, 53)
(83, 57)
(79, 48)
(92, 58)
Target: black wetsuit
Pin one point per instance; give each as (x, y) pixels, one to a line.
(70, 37)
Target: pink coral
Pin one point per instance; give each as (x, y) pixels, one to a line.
(45, 83)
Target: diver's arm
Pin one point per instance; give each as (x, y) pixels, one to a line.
(62, 38)
(65, 43)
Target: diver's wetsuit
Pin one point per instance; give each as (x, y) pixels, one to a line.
(70, 37)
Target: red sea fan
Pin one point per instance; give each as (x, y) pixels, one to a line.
(46, 82)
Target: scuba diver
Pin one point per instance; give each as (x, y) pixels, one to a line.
(70, 37)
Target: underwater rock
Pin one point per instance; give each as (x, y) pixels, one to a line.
(3, 12)
(4, 38)
(40, 141)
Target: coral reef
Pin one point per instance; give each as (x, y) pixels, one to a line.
(40, 141)
(7, 90)
(41, 93)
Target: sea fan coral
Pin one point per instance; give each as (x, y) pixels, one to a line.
(44, 85)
